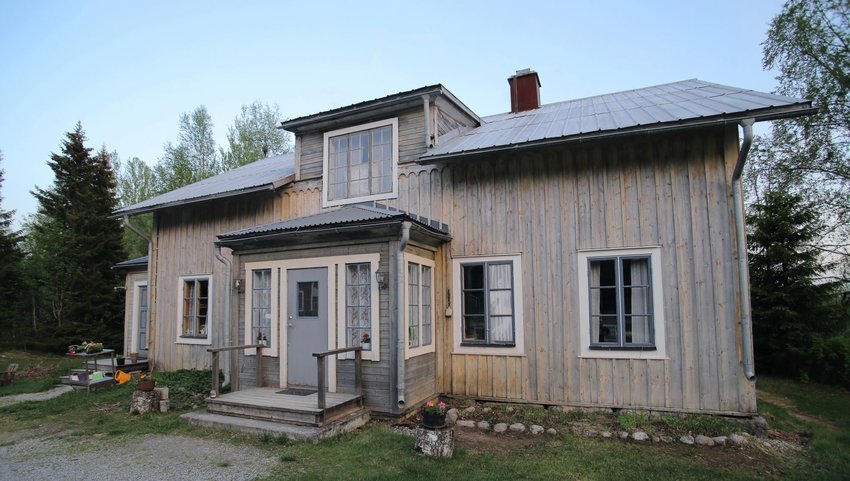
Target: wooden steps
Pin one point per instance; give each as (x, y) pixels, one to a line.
(265, 404)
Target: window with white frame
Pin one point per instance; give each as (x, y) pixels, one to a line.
(194, 315)
(620, 303)
(261, 307)
(358, 305)
(488, 303)
(420, 302)
(361, 163)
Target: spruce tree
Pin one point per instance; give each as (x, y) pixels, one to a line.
(11, 307)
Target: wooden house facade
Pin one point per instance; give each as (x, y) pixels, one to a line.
(585, 253)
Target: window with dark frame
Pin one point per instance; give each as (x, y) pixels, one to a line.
(261, 307)
(143, 318)
(487, 298)
(621, 310)
(195, 308)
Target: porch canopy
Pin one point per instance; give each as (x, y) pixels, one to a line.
(346, 223)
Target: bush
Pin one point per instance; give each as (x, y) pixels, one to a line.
(187, 388)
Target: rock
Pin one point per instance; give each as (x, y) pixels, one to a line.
(451, 417)
(469, 410)
(536, 429)
(163, 406)
(486, 410)
(591, 433)
(466, 424)
(737, 439)
(163, 393)
(438, 443)
(144, 402)
(665, 439)
(483, 425)
(500, 428)
(640, 436)
(606, 434)
(656, 439)
(517, 427)
(719, 440)
(703, 440)
(624, 435)
(760, 427)
(552, 432)
(687, 439)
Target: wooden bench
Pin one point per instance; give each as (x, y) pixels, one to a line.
(7, 376)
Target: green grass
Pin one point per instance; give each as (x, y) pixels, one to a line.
(36, 371)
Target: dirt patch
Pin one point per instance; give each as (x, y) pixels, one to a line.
(726, 458)
(479, 441)
(789, 406)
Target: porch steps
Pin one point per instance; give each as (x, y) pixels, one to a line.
(296, 432)
(266, 405)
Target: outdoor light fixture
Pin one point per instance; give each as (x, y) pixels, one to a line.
(379, 276)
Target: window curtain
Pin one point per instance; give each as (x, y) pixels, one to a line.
(501, 309)
(636, 287)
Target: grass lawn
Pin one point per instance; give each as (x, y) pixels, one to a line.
(818, 415)
(36, 371)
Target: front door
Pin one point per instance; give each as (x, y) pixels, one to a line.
(307, 331)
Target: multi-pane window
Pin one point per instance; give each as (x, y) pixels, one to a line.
(195, 309)
(420, 313)
(487, 297)
(360, 164)
(143, 319)
(358, 304)
(261, 306)
(621, 314)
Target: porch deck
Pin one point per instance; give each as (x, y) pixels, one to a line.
(265, 403)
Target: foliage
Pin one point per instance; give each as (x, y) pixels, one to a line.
(11, 256)
(36, 372)
(193, 158)
(74, 246)
(136, 182)
(255, 135)
(187, 388)
(809, 43)
(797, 322)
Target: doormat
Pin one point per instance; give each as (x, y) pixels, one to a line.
(294, 391)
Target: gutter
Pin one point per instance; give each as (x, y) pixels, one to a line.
(741, 240)
(226, 323)
(125, 219)
(403, 240)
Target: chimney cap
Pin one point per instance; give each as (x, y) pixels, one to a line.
(524, 72)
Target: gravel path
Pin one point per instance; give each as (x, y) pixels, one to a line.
(35, 396)
(37, 455)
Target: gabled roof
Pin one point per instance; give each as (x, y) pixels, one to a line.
(675, 105)
(264, 174)
(357, 214)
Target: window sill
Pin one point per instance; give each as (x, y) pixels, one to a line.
(478, 344)
(624, 348)
(194, 340)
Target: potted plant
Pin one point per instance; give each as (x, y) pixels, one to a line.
(119, 360)
(134, 357)
(146, 383)
(366, 341)
(434, 414)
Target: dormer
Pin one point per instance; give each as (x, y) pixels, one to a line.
(356, 150)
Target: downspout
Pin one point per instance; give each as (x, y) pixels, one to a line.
(426, 106)
(741, 238)
(403, 239)
(226, 323)
(139, 232)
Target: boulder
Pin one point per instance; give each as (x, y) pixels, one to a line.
(703, 440)
(500, 428)
(466, 424)
(517, 427)
(536, 429)
(687, 439)
(640, 436)
(483, 425)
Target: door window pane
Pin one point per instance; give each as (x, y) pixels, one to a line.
(308, 299)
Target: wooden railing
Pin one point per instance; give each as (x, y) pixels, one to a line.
(358, 362)
(215, 354)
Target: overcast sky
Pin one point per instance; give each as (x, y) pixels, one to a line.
(127, 70)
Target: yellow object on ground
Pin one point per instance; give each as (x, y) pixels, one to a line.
(122, 376)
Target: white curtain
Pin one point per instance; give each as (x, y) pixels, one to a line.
(501, 309)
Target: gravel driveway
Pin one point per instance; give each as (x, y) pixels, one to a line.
(40, 455)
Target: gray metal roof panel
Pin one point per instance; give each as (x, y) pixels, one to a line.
(349, 214)
(657, 105)
(129, 263)
(264, 173)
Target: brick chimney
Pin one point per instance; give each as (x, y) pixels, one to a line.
(525, 90)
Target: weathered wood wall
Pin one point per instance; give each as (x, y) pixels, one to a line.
(130, 280)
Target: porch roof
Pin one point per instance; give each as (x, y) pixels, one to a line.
(357, 215)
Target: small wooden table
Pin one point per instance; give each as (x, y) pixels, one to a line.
(90, 366)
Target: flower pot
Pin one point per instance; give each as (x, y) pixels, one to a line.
(433, 420)
(367, 346)
(134, 357)
(120, 362)
(146, 385)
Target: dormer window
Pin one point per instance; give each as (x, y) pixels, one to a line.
(361, 163)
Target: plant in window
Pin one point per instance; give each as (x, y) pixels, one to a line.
(366, 341)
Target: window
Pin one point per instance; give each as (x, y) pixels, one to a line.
(488, 305)
(361, 163)
(143, 320)
(358, 305)
(194, 314)
(620, 295)
(261, 307)
(420, 301)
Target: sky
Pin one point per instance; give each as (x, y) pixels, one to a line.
(127, 70)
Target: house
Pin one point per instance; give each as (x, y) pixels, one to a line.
(586, 253)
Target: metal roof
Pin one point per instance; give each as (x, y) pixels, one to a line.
(357, 214)
(685, 103)
(264, 174)
(132, 263)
